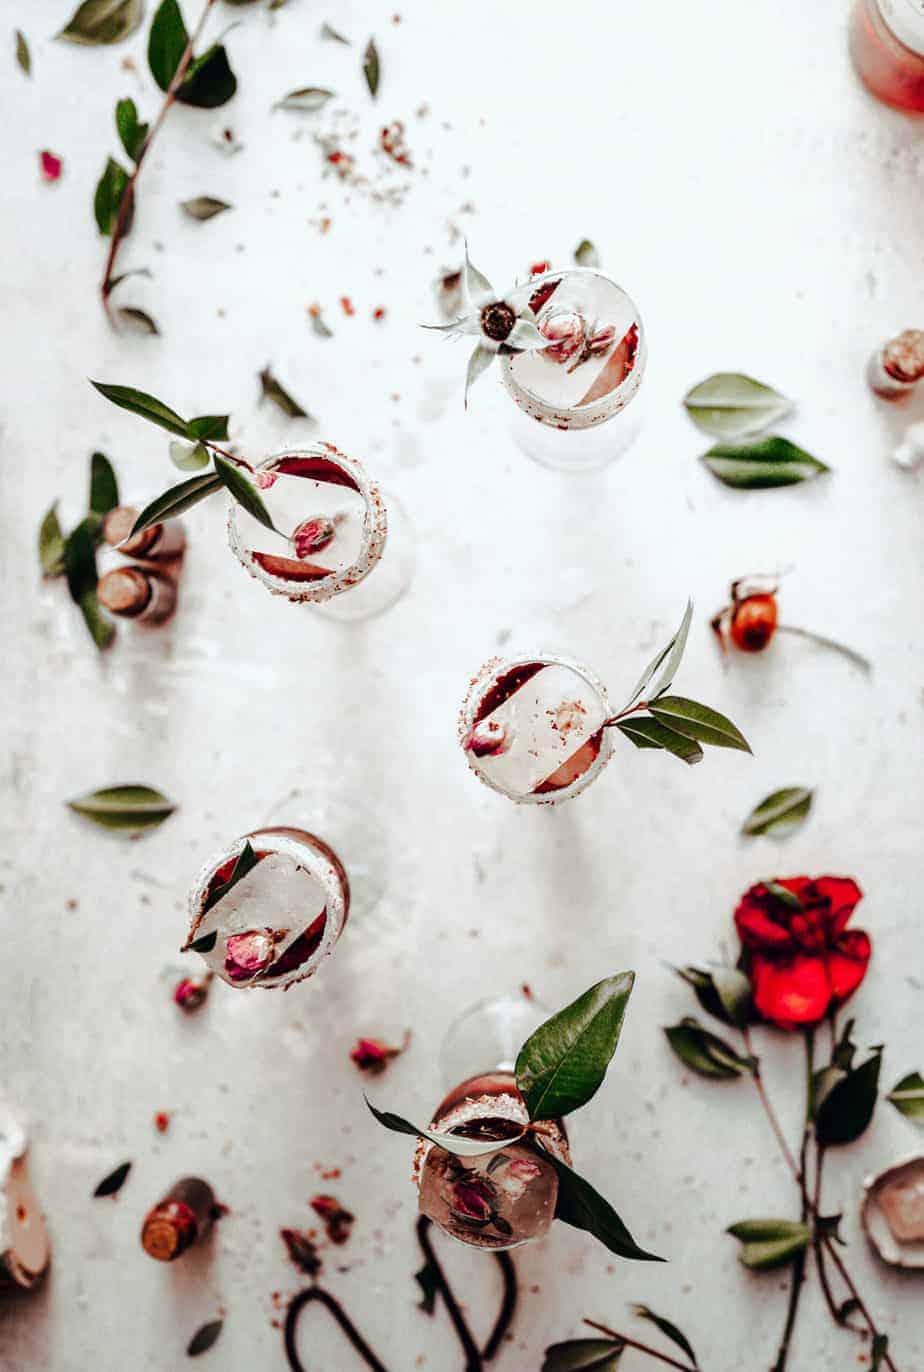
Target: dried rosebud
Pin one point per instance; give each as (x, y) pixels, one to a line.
(161, 1121)
(497, 321)
(312, 536)
(473, 1199)
(515, 1178)
(265, 480)
(373, 1056)
(488, 738)
(337, 1221)
(192, 992)
(565, 332)
(302, 1251)
(601, 340)
(248, 954)
(51, 165)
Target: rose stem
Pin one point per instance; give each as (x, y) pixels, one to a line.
(125, 204)
(770, 1112)
(848, 1282)
(798, 1266)
(642, 1347)
(297, 1305)
(850, 653)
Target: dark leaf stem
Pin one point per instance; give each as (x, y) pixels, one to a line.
(641, 1347)
(127, 199)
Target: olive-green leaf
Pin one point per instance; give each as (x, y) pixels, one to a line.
(781, 813)
(734, 992)
(586, 255)
(583, 1355)
(137, 320)
(584, 1208)
(101, 630)
(328, 32)
(847, 1109)
(167, 42)
(698, 721)
(652, 733)
(104, 486)
(204, 207)
(244, 491)
(878, 1351)
(668, 1329)
(51, 543)
(907, 1096)
(80, 569)
(768, 1244)
(205, 944)
(763, 464)
(114, 1182)
(204, 1338)
(131, 132)
(177, 499)
(562, 1064)
(210, 427)
(783, 894)
(372, 68)
(246, 862)
(209, 80)
(705, 1052)
(731, 405)
(452, 1143)
(147, 406)
(103, 21)
(23, 56)
(189, 457)
(306, 98)
(107, 197)
(124, 807)
(665, 662)
(271, 389)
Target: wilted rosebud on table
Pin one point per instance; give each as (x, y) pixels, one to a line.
(192, 992)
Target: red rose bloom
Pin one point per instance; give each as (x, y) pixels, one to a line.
(803, 959)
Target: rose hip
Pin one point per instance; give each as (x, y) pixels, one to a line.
(753, 622)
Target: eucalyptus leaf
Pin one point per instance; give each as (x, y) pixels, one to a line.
(665, 662)
(244, 491)
(763, 464)
(189, 457)
(847, 1109)
(698, 721)
(107, 197)
(131, 132)
(583, 1355)
(114, 1181)
(452, 1143)
(372, 69)
(137, 320)
(147, 406)
(104, 486)
(271, 389)
(731, 405)
(204, 1338)
(478, 363)
(306, 98)
(668, 1329)
(768, 1244)
(328, 32)
(176, 500)
(907, 1096)
(584, 1208)
(706, 1053)
(204, 207)
(586, 255)
(23, 56)
(652, 733)
(103, 21)
(245, 862)
(562, 1064)
(134, 808)
(51, 543)
(208, 427)
(780, 813)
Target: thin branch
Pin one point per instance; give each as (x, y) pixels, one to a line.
(642, 1347)
(836, 1258)
(771, 1113)
(128, 195)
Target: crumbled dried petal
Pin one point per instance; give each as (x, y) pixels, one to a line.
(51, 165)
(337, 1221)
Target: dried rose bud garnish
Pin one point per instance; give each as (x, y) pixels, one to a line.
(302, 1251)
(51, 165)
(249, 953)
(488, 738)
(313, 535)
(337, 1221)
(565, 331)
(373, 1056)
(192, 992)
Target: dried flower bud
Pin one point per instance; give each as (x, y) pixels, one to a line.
(565, 331)
(373, 1056)
(192, 992)
(249, 954)
(488, 738)
(601, 340)
(337, 1221)
(302, 1251)
(313, 535)
(497, 321)
(51, 165)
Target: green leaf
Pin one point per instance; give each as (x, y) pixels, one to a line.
(651, 733)
(23, 56)
(204, 207)
(731, 405)
(583, 1355)
(768, 1244)
(138, 320)
(100, 629)
(209, 80)
(205, 944)
(108, 197)
(147, 406)
(115, 1180)
(306, 98)
(763, 464)
(782, 812)
(878, 1352)
(561, 1065)
(318, 324)
(845, 1112)
(271, 389)
(103, 21)
(246, 862)
(167, 42)
(189, 457)
(907, 1096)
(176, 500)
(80, 568)
(734, 991)
(783, 893)
(131, 133)
(372, 67)
(586, 255)
(104, 487)
(705, 1052)
(124, 807)
(584, 1208)
(698, 721)
(244, 491)
(51, 543)
(328, 32)
(669, 1330)
(664, 662)
(204, 1338)
(208, 426)
(452, 1143)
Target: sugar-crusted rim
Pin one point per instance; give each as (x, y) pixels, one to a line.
(487, 677)
(316, 863)
(375, 530)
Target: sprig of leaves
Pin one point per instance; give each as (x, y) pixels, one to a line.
(209, 81)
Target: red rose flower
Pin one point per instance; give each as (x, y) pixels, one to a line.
(803, 959)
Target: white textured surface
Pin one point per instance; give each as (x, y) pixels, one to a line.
(766, 215)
